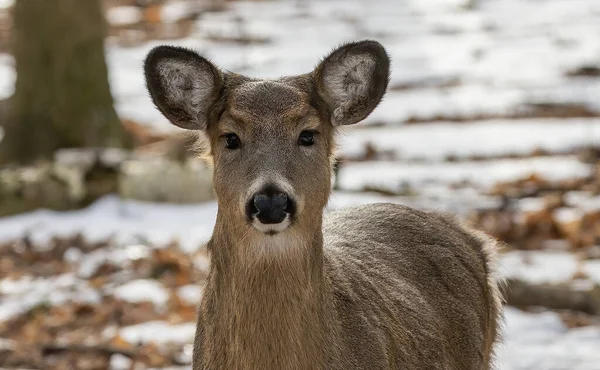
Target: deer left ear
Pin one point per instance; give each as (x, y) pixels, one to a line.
(352, 80)
(183, 85)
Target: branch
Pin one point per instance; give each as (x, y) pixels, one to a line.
(559, 297)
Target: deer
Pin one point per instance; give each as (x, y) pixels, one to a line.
(290, 286)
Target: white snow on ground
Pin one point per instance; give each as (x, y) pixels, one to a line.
(489, 63)
(120, 254)
(532, 341)
(492, 59)
(130, 222)
(540, 341)
(120, 362)
(460, 201)
(583, 200)
(537, 267)
(143, 290)
(190, 294)
(567, 215)
(394, 176)
(7, 76)
(6, 3)
(437, 141)
(123, 15)
(447, 61)
(156, 223)
(173, 11)
(24, 294)
(159, 332)
(548, 267)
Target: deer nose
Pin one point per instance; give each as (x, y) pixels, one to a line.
(270, 207)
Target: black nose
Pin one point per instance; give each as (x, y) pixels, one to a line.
(270, 206)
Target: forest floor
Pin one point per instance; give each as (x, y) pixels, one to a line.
(492, 113)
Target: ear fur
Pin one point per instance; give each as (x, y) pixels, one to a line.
(352, 80)
(183, 85)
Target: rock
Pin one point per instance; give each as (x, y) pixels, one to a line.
(161, 180)
(40, 186)
(78, 177)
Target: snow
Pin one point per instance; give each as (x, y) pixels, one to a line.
(489, 58)
(156, 224)
(7, 77)
(117, 255)
(531, 205)
(120, 362)
(485, 174)
(143, 290)
(567, 215)
(584, 200)
(123, 15)
(172, 12)
(495, 63)
(436, 141)
(547, 267)
(122, 220)
(500, 63)
(4, 4)
(534, 341)
(159, 332)
(26, 293)
(191, 293)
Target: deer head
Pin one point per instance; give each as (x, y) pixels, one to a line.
(271, 141)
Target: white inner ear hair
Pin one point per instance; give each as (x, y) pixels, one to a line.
(348, 82)
(187, 86)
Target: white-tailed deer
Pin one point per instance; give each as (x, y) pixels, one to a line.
(380, 286)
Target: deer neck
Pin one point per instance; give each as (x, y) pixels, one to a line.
(267, 293)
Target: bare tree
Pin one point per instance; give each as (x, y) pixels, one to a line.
(62, 97)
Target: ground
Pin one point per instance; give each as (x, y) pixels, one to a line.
(488, 98)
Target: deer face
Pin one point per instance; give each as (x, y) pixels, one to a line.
(271, 141)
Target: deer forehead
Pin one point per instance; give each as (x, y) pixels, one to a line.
(261, 102)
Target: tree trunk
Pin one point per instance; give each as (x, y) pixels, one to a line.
(62, 97)
(558, 297)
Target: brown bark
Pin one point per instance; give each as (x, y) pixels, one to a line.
(62, 97)
(559, 297)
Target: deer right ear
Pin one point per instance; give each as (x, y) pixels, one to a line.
(352, 80)
(183, 85)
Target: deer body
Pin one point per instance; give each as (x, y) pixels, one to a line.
(380, 286)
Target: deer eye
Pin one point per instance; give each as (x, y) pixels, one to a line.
(232, 141)
(307, 138)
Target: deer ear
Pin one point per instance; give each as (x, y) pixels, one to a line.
(183, 85)
(352, 80)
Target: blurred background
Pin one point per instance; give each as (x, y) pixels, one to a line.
(492, 113)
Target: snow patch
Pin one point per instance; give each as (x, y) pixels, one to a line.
(484, 174)
(190, 294)
(159, 332)
(143, 290)
(547, 266)
(124, 15)
(23, 294)
(4, 4)
(438, 141)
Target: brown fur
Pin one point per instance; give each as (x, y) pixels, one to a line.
(380, 286)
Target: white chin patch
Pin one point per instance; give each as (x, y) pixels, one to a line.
(271, 229)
